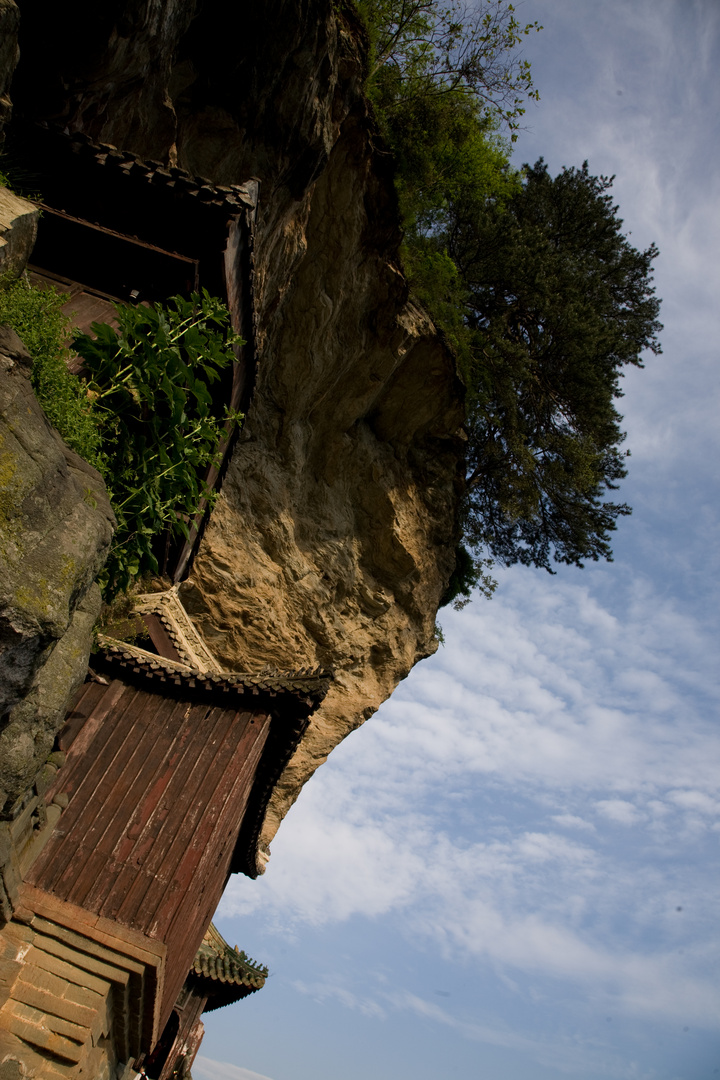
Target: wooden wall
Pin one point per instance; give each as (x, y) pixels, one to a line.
(157, 789)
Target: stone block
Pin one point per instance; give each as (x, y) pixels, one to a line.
(43, 980)
(68, 971)
(67, 1029)
(50, 1005)
(19, 936)
(18, 232)
(81, 995)
(83, 961)
(8, 948)
(9, 971)
(11, 1069)
(63, 1048)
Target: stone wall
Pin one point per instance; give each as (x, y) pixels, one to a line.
(77, 994)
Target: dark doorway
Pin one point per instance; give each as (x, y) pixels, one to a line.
(156, 1062)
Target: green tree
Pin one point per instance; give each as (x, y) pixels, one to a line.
(424, 49)
(444, 78)
(555, 302)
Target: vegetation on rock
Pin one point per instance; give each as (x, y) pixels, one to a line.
(36, 316)
(143, 415)
(540, 294)
(149, 385)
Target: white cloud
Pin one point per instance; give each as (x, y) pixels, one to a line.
(618, 810)
(695, 800)
(206, 1069)
(326, 991)
(572, 821)
(574, 709)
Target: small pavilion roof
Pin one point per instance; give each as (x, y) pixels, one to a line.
(224, 973)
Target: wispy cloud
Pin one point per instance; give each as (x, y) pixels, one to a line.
(574, 709)
(207, 1069)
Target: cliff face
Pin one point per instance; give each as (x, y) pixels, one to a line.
(333, 538)
(55, 531)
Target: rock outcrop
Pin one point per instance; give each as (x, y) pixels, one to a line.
(55, 530)
(18, 230)
(333, 538)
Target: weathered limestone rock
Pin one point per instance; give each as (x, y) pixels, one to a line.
(333, 539)
(55, 530)
(18, 231)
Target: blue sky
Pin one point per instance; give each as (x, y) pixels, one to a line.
(511, 872)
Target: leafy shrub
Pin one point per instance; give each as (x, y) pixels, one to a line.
(145, 416)
(149, 385)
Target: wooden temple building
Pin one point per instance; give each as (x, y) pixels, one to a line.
(160, 778)
(155, 794)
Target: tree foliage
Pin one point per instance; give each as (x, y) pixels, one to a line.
(530, 278)
(444, 79)
(557, 302)
(425, 49)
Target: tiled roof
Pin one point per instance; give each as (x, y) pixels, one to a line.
(228, 198)
(223, 973)
(307, 686)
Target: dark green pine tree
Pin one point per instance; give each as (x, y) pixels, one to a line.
(556, 303)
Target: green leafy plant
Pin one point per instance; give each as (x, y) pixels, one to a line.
(36, 316)
(150, 385)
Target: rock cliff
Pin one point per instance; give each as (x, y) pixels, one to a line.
(333, 538)
(55, 531)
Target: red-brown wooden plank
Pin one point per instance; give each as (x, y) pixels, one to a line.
(145, 798)
(209, 875)
(88, 775)
(154, 728)
(91, 694)
(171, 857)
(190, 783)
(54, 858)
(213, 757)
(229, 796)
(160, 637)
(86, 308)
(95, 706)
